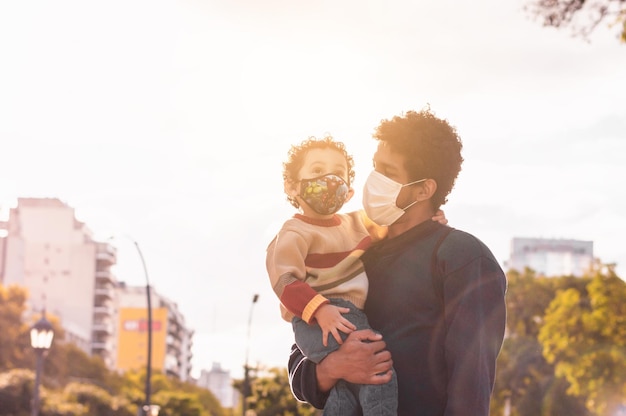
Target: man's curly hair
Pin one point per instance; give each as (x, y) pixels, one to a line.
(297, 154)
(431, 148)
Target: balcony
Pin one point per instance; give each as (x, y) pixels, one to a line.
(103, 293)
(172, 366)
(102, 310)
(102, 327)
(104, 276)
(172, 349)
(106, 253)
(100, 346)
(174, 341)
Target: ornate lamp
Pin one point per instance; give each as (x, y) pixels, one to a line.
(41, 334)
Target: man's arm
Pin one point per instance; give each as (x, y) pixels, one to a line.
(475, 318)
(361, 359)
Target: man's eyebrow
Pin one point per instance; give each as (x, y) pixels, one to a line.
(387, 166)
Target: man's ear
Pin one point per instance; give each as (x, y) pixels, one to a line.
(427, 190)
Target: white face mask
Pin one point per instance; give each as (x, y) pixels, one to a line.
(379, 198)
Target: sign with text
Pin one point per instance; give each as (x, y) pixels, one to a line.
(132, 342)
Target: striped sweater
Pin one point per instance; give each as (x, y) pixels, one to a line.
(311, 260)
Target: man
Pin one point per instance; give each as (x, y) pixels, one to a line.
(436, 295)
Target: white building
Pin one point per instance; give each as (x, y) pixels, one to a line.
(219, 382)
(51, 254)
(551, 257)
(45, 249)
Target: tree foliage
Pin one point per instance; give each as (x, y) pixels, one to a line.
(271, 396)
(581, 16)
(14, 342)
(182, 398)
(16, 388)
(95, 400)
(76, 384)
(584, 336)
(525, 380)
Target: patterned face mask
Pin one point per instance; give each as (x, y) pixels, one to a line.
(325, 194)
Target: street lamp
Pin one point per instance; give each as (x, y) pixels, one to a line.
(147, 409)
(246, 369)
(41, 335)
(151, 410)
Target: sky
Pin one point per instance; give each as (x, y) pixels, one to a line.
(166, 122)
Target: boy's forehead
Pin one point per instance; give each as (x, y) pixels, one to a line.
(325, 155)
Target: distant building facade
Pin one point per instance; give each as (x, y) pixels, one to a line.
(220, 383)
(551, 257)
(53, 255)
(45, 249)
(172, 340)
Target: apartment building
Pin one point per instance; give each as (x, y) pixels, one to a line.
(45, 249)
(171, 338)
(551, 257)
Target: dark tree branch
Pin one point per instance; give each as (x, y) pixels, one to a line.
(581, 16)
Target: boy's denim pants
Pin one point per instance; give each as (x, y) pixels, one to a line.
(347, 399)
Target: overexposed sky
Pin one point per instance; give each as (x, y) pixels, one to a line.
(168, 121)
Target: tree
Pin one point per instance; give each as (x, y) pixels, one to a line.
(525, 380)
(16, 392)
(584, 336)
(14, 342)
(76, 384)
(174, 403)
(567, 13)
(271, 396)
(66, 362)
(527, 298)
(175, 397)
(95, 400)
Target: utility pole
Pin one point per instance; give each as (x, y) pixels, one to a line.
(247, 390)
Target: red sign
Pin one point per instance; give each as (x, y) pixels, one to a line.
(141, 325)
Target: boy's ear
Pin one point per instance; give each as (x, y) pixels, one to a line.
(349, 196)
(291, 188)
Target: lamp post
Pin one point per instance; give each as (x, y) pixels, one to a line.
(152, 410)
(41, 335)
(246, 369)
(147, 409)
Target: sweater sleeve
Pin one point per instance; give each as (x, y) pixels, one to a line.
(286, 268)
(475, 315)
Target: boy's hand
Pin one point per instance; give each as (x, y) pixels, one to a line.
(440, 217)
(331, 321)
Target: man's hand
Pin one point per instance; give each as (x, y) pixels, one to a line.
(361, 359)
(331, 321)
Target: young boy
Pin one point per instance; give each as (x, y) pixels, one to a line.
(315, 269)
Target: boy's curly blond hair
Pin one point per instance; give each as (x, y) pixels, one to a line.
(297, 154)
